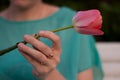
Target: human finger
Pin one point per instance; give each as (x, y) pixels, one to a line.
(32, 53)
(39, 45)
(53, 37)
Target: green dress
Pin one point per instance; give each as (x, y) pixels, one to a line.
(78, 51)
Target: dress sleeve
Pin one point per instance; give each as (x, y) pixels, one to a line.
(83, 50)
(89, 57)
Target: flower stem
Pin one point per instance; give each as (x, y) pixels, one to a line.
(60, 29)
(4, 51)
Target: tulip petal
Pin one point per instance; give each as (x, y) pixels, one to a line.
(96, 24)
(89, 31)
(84, 18)
(88, 22)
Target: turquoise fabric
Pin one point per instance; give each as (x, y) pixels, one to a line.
(78, 51)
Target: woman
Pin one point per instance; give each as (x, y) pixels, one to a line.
(79, 59)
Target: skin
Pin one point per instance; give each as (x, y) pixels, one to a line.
(43, 58)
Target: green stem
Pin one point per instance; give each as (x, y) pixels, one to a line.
(60, 29)
(36, 36)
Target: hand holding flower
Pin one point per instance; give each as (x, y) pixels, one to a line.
(84, 22)
(43, 58)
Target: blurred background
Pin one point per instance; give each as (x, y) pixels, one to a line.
(108, 44)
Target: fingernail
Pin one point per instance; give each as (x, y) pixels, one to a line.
(26, 36)
(20, 45)
(42, 32)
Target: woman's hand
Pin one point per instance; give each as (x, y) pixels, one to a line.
(43, 58)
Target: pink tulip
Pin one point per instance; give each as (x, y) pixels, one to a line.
(88, 22)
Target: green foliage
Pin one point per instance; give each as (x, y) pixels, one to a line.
(110, 11)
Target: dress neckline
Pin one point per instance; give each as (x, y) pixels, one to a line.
(37, 20)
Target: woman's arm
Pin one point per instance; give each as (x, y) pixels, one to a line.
(86, 75)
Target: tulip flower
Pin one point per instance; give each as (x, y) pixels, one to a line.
(88, 22)
(84, 22)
